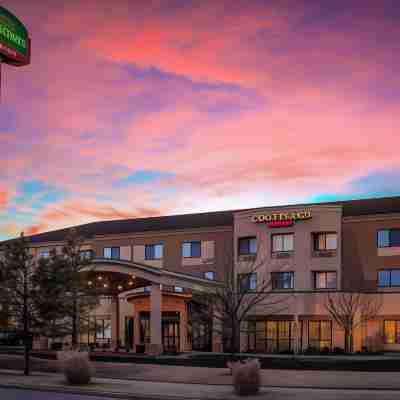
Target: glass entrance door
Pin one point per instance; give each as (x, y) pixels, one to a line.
(171, 332)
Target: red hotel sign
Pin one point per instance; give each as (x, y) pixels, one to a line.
(281, 219)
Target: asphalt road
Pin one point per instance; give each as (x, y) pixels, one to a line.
(16, 394)
(275, 394)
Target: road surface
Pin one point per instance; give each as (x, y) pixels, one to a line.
(275, 394)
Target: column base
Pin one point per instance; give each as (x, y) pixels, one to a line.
(217, 347)
(154, 349)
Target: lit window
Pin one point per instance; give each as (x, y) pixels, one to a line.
(391, 331)
(325, 241)
(282, 280)
(178, 289)
(247, 282)
(282, 243)
(154, 251)
(389, 238)
(247, 246)
(389, 278)
(191, 249)
(320, 334)
(209, 275)
(325, 280)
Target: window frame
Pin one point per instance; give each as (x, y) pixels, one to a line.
(45, 254)
(274, 235)
(316, 236)
(248, 253)
(90, 254)
(210, 272)
(275, 273)
(186, 242)
(152, 246)
(389, 270)
(319, 321)
(396, 333)
(314, 273)
(248, 275)
(111, 252)
(389, 230)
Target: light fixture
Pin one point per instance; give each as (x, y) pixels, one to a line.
(100, 278)
(90, 283)
(130, 283)
(105, 285)
(120, 287)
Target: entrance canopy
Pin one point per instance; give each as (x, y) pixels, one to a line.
(144, 275)
(135, 275)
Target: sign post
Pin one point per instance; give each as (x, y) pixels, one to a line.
(15, 44)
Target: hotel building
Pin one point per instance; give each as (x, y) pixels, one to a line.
(304, 250)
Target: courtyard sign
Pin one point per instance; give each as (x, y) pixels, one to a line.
(15, 44)
(14, 40)
(281, 219)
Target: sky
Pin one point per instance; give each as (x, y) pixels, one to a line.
(134, 108)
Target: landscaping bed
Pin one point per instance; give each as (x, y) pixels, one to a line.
(300, 362)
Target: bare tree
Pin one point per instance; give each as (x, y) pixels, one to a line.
(351, 310)
(244, 290)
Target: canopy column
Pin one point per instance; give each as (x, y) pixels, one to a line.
(155, 347)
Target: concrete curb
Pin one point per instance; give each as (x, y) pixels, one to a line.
(97, 393)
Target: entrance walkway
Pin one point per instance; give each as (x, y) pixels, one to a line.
(132, 389)
(220, 376)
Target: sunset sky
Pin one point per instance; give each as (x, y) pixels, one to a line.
(140, 108)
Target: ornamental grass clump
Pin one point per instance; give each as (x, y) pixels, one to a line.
(246, 377)
(76, 366)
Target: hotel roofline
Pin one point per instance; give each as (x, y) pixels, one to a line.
(351, 208)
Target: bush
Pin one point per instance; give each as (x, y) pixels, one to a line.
(338, 350)
(246, 377)
(325, 350)
(77, 367)
(311, 350)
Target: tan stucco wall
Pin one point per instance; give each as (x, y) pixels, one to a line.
(302, 261)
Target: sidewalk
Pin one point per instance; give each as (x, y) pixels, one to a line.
(220, 376)
(213, 388)
(120, 388)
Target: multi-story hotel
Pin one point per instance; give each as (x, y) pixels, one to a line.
(304, 250)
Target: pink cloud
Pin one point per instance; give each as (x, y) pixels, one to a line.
(243, 101)
(3, 199)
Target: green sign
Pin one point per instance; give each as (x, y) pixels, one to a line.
(14, 39)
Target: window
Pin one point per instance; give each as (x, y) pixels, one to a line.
(178, 289)
(44, 253)
(154, 251)
(389, 278)
(144, 325)
(325, 241)
(270, 336)
(247, 282)
(282, 243)
(86, 254)
(103, 328)
(325, 280)
(209, 275)
(282, 280)
(389, 238)
(247, 246)
(111, 252)
(391, 331)
(191, 249)
(320, 334)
